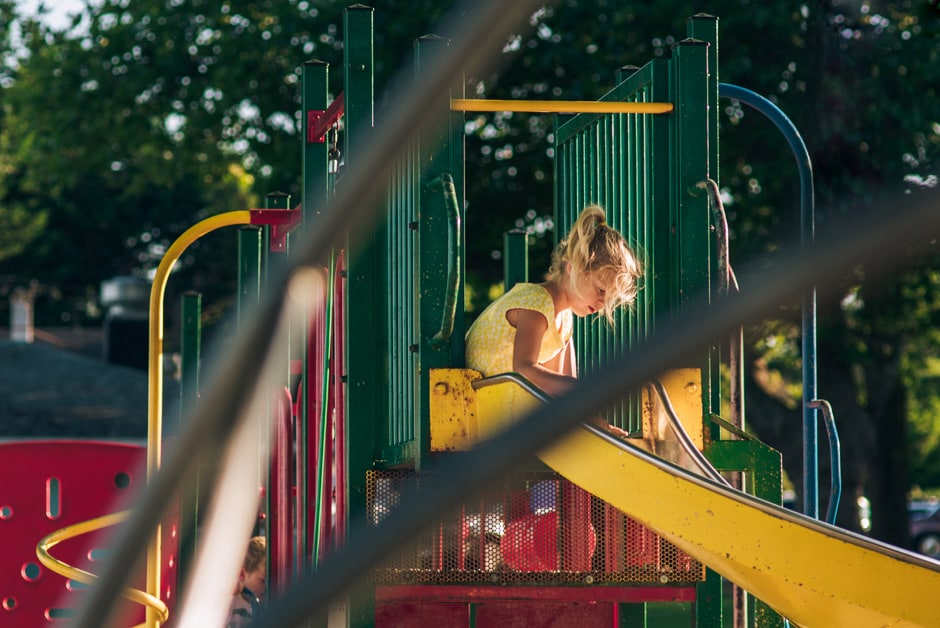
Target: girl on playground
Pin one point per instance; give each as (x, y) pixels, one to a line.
(528, 329)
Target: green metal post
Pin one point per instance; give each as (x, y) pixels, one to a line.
(515, 258)
(440, 152)
(250, 274)
(691, 166)
(762, 469)
(249, 270)
(693, 245)
(190, 336)
(315, 195)
(271, 251)
(366, 298)
(315, 154)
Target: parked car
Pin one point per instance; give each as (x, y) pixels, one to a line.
(924, 519)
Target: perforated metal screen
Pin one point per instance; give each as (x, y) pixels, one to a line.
(535, 528)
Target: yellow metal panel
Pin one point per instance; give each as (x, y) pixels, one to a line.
(812, 573)
(453, 409)
(684, 389)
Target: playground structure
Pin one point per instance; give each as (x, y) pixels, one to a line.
(590, 533)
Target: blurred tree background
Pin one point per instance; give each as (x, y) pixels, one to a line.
(140, 118)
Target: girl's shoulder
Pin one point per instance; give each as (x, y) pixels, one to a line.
(528, 295)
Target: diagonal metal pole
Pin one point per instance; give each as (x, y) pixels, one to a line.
(476, 29)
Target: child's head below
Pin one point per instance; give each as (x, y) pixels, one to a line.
(602, 271)
(254, 572)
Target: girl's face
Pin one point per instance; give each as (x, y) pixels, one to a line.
(587, 292)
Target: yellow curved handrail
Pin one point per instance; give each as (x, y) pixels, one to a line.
(64, 569)
(155, 368)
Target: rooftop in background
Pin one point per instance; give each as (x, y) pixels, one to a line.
(61, 387)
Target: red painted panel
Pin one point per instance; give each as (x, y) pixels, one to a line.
(421, 615)
(48, 485)
(546, 615)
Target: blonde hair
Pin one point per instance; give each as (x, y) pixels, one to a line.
(594, 246)
(257, 555)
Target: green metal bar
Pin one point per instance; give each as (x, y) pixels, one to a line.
(190, 337)
(320, 501)
(515, 258)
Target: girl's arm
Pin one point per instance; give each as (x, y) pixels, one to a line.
(530, 328)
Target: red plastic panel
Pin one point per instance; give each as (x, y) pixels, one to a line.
(48, 485)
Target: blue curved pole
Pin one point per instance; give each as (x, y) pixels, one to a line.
(807, 236)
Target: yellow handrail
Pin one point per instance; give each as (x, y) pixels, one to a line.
(49, 541)
(559, 106)
(155, 370)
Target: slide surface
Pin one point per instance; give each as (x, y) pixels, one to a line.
(812, 573)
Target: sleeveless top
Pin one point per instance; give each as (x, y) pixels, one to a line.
(489, 341)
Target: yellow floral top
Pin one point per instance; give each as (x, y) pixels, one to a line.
(490, 339)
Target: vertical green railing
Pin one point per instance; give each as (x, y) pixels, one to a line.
(402, 318)
(617, 161)
(416, 275)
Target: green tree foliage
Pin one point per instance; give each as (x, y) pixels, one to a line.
(146, 116)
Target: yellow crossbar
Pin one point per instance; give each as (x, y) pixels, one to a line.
(558, 106)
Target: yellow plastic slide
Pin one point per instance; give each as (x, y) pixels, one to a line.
(812, 573)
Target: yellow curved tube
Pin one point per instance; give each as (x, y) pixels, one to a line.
(49, 541)
(155, 370)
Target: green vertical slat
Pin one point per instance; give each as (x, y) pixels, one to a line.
(400, 335)
(660, 284)
(190, 338)
(366, 298)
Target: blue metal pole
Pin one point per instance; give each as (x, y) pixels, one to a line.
(807, 235)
